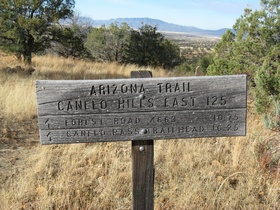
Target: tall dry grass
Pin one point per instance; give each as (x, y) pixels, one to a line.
(18, 90)
(201, 173)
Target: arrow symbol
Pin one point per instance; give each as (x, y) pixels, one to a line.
(48, 135)
(46, 122)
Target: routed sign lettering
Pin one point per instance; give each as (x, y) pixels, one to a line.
(141, 108)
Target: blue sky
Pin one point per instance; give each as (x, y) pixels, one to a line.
(205, 14)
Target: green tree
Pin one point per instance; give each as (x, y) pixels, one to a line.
(29, 26)
(255, 34)
(107, 44)
(253, 49)
(169, 55)
(148, 47)
(204, 62)
(144, 46)
(96, 43)
(69, 40)
(120, 36)
(267, 90)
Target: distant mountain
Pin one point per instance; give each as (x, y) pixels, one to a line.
(136, 23)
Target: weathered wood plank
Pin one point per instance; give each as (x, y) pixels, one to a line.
(141, 126)
(140, 95)
(159, 108)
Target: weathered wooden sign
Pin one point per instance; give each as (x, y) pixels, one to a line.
(141, 108)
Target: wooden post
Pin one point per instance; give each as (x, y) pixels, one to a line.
(142, 166)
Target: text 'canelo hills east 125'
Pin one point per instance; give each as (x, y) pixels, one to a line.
(139, 101)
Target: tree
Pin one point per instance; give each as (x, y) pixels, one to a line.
(107, 44)
(70, 42)
(148, 47)
(254, 49)
(71, 37)
(144, 46)
(204, 62)
(267, 90)
(223, 62)
(29, 26)
(255, 34)
(169, 55)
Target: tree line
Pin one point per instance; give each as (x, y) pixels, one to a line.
(122, 44)
(28, 27)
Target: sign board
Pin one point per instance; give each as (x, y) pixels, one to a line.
(141, 108)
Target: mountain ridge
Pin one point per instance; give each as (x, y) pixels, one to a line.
(136, 23)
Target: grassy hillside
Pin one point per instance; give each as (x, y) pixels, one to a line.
(206, 173)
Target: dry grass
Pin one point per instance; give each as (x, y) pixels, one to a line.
(18, 90)
(210, 173)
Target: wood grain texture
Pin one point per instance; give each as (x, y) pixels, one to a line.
(142, 166)
(141, 108)
(141, 126)
(143, 175)
(140, 95)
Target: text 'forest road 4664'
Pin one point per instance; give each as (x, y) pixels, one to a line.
(141, 108)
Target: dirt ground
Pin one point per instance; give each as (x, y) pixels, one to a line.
(17, 139)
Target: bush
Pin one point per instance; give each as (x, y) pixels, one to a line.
(267, 90)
